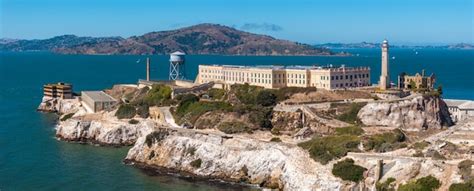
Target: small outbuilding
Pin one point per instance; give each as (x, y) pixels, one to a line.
(96, 101)
(460, 109)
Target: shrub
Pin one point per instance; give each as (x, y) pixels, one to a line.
(67, 116)
(465, 169)
(158, 95)
(386, 141)
(262, 116)
(133, 121)
(190, 112)
(143, 110)
(275, 139)
(350, 116)
(266, 98)
(246, 93)
(233, 127)
(125, 111)
(217, 94)
(190, 151)
(420, 145)
(466, 186)
(386, 186)
(325, 149)
(196, 163)
(437, 156)
(347, 170)
(418, 154)
(351, 130)
(427, 183)
(155, 136)
(285, 92)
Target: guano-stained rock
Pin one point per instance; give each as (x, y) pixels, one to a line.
(416, 113)
(273, 165)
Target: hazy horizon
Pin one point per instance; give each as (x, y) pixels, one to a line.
(417, 22)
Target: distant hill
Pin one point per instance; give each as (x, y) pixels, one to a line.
(464, 46)
(197, 39)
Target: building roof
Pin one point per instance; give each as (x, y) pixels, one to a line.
(467, 105)
(59, 84)
(461, 104)
(98, 96)
(178, 53)
(292, 67)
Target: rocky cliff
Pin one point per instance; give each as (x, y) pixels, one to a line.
(236, 159)
(104, 131)
(414, 113)
(60, 106)
(103, 128)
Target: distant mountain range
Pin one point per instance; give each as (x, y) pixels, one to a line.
(464, 46)
(197, 39)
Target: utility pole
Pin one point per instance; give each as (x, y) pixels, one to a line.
(148, 69)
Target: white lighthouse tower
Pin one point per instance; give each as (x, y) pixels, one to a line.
(384, 82)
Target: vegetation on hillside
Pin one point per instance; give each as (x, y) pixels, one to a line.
(351, 130)
(388, 185)
(233, 127)
(347, 170)
(67, 116)
(126, 111)
(466, 186)
(325, 149)
(385, 142)
(428, 183)
(190, 108)
(349, 114)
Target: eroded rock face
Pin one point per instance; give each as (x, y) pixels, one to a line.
(104, 132)
(60, 106)
(269, 164)
(417, 113)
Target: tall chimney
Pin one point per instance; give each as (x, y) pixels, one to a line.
(147, 69)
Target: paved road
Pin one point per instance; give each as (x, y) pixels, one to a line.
(169, 117)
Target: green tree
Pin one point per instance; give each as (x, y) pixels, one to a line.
(125, 111)
(266, 98)
(427, 183)
(347, 170)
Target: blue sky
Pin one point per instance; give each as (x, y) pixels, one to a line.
(307, 21)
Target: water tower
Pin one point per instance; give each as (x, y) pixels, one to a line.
(177, 68)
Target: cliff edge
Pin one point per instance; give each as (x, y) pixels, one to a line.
(413, 113)
(232, 158)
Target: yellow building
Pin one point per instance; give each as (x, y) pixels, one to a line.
(418, 81)
(58, 90)
(292, 76)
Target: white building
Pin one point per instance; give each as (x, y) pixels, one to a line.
(95, 101)
(460, 109)
(323, 77)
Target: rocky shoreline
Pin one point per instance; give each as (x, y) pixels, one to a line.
(158, 148)
(232, 159)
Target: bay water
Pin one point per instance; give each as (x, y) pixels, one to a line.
(32, 159)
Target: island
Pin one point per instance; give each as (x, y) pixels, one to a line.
(277, 128)
(208, 39)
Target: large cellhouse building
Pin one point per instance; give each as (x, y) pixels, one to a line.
(324, 77)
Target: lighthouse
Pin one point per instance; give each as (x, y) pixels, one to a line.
(384, 82)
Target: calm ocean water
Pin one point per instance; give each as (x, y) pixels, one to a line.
(32, 159)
